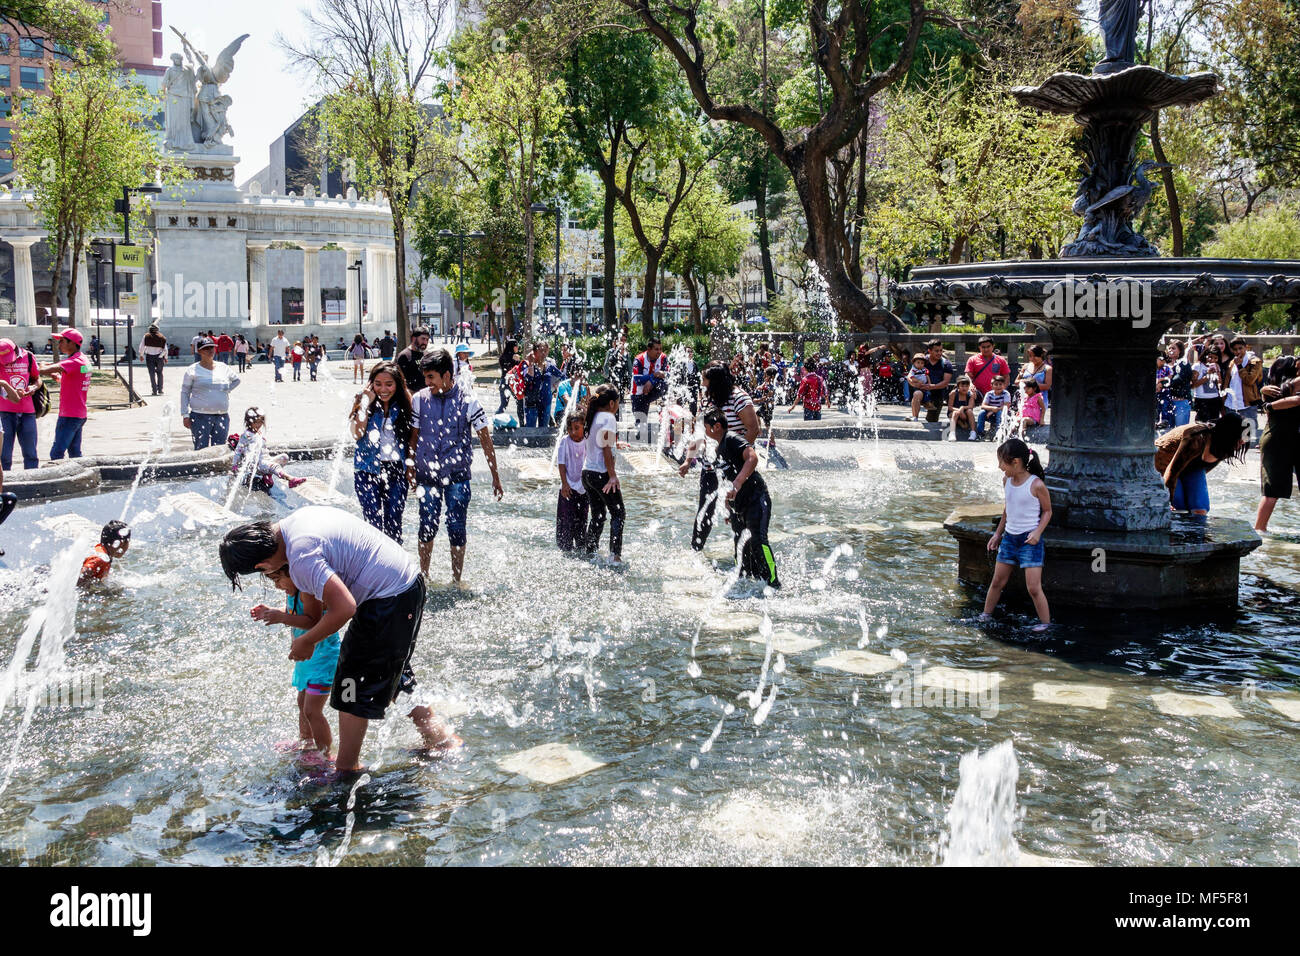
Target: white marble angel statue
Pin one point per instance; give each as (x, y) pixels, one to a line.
(210, 104)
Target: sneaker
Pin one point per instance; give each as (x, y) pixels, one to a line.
(914, 419)
(972, 437)
(295, 482)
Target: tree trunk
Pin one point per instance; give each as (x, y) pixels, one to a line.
(73, 319)
(958, 247)
(526, 320)
(708, 307)
(648, 296)
(399, 267)
(849, 301)
(611, 253)
(693, 292)
(1171, 192)
(764, 240)
(859, 211)
(56, 284)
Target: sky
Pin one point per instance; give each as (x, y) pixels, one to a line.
(266, 97)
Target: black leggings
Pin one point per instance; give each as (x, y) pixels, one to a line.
(756, 559)
(594, 482)
(704, 509)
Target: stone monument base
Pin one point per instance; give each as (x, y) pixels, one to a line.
(1195, 564)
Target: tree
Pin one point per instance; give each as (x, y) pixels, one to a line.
(77, 149)
(859, 49)
(962, 162)
(73, 26)
(515, 110)
(373, 61)
(708, 240)
(1272, 233)
(612, 86)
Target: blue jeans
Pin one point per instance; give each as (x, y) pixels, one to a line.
(1182, 411)
(383, 497)
(531, 417)
(67, 438)
(984, 416)
(812, 416)
(208, 430)
(1192, 493)
(504, 389)
(22, 425)
(457, 494)
(1014, 549)
(279, 364)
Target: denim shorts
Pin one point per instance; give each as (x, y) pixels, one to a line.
(457, 494)
(1015, 551)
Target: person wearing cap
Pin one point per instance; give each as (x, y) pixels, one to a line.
(73, 373)
(154, 349)
(17, 413)
(205, 397)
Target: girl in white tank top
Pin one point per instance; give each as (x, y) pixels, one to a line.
(1018, 539)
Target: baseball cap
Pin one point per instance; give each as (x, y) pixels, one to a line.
(206, 343)
(72, 335)
(7, 346)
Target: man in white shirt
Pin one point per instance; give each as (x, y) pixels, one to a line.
(279, 352)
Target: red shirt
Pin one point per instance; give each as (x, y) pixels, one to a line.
(74, 386)
(96, 566)
(812, 392)
(225, 343)
(981, 371)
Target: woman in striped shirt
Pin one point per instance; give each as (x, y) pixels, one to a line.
(721, 392)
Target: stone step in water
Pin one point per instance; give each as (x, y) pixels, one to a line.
(549, 763)
(318, 492)
(787, 642)
(202, 510)
(864, 663)
(71, 525)
(1194, 705)
(1288, 707)
(1072, 695)
(536, 469)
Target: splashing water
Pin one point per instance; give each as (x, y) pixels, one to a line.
(982, 818)
(160, 442)
(247, 469)
(54, 622)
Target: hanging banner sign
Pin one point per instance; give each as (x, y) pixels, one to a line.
(129, 257)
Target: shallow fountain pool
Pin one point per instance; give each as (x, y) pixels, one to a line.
(1139, 739)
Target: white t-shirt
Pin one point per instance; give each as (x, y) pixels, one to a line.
(571, 456)
(321, 542)
(1206, 389)
(595, 460)
(279, 347)
(1235, 400)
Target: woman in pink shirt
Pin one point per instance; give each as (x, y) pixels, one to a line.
(73, 373)
(17, 414)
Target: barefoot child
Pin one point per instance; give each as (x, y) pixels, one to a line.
(114, 540)
(254, 442)
(313, 677)
(572, 508)
(751, 505)
(1018, 539)
(362, 580)
(1031, 410)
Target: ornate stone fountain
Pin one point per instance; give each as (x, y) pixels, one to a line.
(1106, 303)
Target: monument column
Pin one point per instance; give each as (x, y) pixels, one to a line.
(310, 283)
(24, 284)
(259, 298)
(83, 293)
(391, 278)
(352, 286)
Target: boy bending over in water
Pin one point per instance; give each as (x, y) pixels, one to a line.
(751, 505)
(363, 581)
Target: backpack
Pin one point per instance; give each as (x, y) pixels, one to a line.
(40, 397)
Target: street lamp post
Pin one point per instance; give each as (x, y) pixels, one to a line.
(542, 207)
(460, 238)
(356, 267)
(123, 206)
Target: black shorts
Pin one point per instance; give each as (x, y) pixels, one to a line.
(1207, 409)
(375, 656)
(1279, 460)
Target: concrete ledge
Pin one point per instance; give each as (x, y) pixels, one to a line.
(182, 464)
(1194, 565)
(54, 480)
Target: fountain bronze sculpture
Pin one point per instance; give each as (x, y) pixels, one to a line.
(1106, 302)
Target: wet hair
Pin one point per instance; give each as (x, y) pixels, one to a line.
(253, 414)
(718, 383)
(715, 416)
(114, 532)
(401, 400)
(244, 548)
(604, 396)
(1014, 448)
(437, 360)
(579, 417)
(1225, 435)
